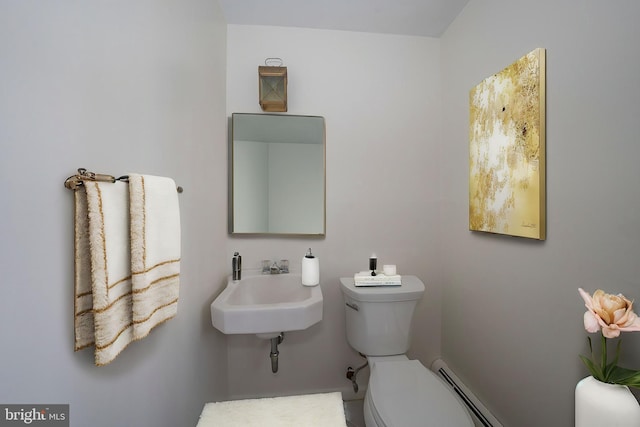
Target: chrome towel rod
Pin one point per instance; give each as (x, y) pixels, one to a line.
(75, 181)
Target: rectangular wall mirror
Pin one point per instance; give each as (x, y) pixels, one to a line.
(277, 176)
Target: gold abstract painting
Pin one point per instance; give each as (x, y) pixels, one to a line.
(507, 150)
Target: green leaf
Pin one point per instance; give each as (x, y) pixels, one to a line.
(625, 376)
(590, 346)
(608, 371)
(611, 367)
(594, 369)
(615, 361)
(603, 352)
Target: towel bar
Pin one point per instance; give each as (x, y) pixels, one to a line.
(75, 181)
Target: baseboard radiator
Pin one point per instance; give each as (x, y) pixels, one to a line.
(479, 413)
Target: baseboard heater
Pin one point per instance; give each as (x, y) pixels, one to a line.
(480, 414)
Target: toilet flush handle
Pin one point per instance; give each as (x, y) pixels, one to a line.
(353, 306)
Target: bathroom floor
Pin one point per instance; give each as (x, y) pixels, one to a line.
(354, 413)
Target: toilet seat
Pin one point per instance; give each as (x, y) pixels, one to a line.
(405, 393)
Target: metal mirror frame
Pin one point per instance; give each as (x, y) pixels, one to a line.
(231, 169)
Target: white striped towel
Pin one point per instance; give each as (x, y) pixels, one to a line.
(155, 251)
(103, 314)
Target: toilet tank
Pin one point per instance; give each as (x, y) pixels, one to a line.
(378, 319)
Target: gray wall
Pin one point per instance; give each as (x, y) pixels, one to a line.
(112, 86)
(380, 96)
(512, 317)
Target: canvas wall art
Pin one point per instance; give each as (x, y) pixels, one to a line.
(507, 150)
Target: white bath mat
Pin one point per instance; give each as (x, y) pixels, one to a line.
(308, 410)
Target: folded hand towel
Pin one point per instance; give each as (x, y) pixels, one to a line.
(155, 251)
(103, 270)
(380, 277)
(365, 279)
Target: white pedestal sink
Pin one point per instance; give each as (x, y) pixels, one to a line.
(266, 305)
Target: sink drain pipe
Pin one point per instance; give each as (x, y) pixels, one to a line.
(274, 351)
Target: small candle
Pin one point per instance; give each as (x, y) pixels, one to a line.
(373, 264)
(389, 269)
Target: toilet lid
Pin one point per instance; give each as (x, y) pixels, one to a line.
(405, 393)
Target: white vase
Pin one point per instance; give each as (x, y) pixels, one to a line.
(600, 404)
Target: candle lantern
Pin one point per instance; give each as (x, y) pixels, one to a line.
(273, 86)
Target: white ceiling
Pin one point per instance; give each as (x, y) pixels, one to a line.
(409, 17)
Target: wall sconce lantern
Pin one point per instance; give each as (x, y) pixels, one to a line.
(273, 86)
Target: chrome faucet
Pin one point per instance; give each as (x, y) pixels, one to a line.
(272, 267)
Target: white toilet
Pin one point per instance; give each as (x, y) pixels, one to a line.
(401, 392)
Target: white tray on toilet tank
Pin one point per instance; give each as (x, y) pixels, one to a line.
(410, 289)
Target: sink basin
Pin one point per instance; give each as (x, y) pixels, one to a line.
(266, 304)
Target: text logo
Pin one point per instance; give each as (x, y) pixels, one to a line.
(34, 415)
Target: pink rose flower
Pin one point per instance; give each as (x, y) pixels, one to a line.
(610, 313)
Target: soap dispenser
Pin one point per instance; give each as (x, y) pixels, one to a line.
(236, 266)
(310, 270)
